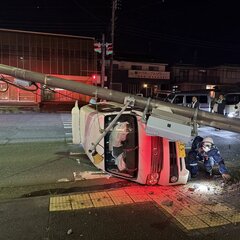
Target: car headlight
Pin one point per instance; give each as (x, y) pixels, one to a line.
(152, 178)
(173, 179)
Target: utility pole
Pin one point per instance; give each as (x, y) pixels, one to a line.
(201, 117)
(114, 6)
(103, 46)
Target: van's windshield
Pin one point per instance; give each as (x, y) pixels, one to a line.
(170, 97)
(232, 99)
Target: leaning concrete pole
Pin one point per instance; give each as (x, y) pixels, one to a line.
(201, 117)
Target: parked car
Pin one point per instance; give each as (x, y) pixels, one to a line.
(232, 107)
(185, 99)
(162, 95)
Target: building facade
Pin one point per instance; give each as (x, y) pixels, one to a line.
(73, 58)
(189, 77)
(66, 56)
(140, 77)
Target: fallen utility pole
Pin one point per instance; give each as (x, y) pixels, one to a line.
(200, 117)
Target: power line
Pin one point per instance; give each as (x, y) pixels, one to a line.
(158, 36)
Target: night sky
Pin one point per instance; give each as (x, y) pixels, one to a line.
(203, 32)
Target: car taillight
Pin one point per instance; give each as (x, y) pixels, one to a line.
(152, 179)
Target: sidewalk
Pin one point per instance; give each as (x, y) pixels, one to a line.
(13, 107)
(133, 212)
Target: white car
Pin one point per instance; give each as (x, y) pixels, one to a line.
(126, 151)
(232, 107)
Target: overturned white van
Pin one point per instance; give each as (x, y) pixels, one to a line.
(126, 151)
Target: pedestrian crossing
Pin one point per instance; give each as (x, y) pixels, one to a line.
(67, 125)
(68, 131)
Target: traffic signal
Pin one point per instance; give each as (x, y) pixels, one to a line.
(98, 47)
(109, 48)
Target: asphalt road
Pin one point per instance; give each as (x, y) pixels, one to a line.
(37, 154)
(34, 127)
(36, 150)
(38, 163)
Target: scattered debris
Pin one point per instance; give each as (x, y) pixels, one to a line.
(76, 153)
(63, 180)
(191, 189)
(196, 186)
(167, 203)
(70, 231)
(90, 175)
(180, 199)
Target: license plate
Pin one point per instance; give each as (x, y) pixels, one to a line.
(181, 149)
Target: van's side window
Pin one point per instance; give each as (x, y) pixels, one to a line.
(203, 99)
(189, 99)
(178, 99)
(232, 99)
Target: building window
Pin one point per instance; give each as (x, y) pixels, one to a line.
(153, 68)
(136, 67)
(115, 66)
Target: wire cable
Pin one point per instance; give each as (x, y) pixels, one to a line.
(2, 78)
